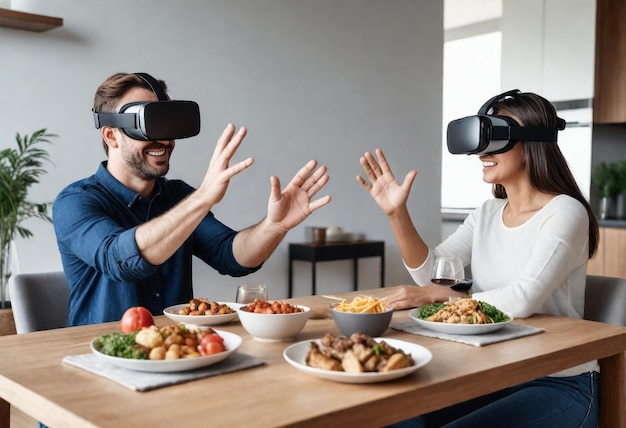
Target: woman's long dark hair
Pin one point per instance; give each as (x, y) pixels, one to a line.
(545, 164)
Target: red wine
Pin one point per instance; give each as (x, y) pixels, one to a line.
(448, 282)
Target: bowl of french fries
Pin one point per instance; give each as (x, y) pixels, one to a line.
(363, 314)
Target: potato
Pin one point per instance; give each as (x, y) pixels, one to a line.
(149, 337)
(157, 353)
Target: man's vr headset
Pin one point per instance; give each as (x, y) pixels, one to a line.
(154, 120)
(485, 133)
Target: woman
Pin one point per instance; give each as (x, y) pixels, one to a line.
(528, 249)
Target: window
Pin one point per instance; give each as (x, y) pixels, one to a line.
(471, 75)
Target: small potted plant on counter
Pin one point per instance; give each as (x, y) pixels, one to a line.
(620, 198)
(607, 181)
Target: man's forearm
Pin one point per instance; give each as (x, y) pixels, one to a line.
(161, 237)
(254, 245)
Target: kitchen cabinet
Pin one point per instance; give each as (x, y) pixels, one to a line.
(595, 266)
(610, 259)
(609, 103)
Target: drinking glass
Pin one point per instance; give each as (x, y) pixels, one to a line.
(448, 271)
(246, 293)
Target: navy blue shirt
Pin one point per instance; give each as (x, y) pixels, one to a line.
(95, 220)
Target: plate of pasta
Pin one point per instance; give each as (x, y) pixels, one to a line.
(463, 316)
(362, 305)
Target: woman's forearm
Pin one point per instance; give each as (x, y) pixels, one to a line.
(412, 247)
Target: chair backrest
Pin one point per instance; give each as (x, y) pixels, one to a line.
(605, 299)
(40, 301)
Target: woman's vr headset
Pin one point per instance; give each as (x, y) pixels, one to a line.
(485, 133)
(154, 120)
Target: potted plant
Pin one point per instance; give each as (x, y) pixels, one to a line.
(607, 181)
(20, 168)
(620, 200)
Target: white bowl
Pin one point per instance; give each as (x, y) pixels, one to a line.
(201, 320)
(274, 327)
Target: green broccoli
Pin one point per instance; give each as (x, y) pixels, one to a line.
(430, 309)
(492, 312)
(120, 345)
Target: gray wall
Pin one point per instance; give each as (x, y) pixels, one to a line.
(323, 79)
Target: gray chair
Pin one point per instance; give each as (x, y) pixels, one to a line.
(40, 301)
(605, 299)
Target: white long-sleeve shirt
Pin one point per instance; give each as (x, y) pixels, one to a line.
(539, 266)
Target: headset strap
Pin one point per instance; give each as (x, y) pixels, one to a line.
(115, 120)
(516, 132)
(155, 85)
(121, 120)
(524, 133)
(487, 106)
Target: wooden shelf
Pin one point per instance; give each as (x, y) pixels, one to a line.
(28, 21)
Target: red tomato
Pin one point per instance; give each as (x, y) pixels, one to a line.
(136, 318)
(212, 337)
(212, 343)
(214, 348)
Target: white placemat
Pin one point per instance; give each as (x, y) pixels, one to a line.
(144, 381)
(508, 332)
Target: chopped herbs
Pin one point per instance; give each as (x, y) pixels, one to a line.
(377, 350)
(492, 312)
(120, 345)
(430, 309)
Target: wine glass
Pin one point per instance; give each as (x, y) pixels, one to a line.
(246, 293)
(448, 271)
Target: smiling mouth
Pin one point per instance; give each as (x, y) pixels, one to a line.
(156, 153)
(158, 150)
(488, 164)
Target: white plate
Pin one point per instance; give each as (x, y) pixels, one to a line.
(462, 329)
(232, 342)
(201, 320)
(296, 353)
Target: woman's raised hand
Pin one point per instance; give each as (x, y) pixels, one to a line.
(381, 183)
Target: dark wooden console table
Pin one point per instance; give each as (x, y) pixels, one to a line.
(329, 251)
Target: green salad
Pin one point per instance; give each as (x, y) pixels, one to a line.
(492, 312)
(428, 310)
(120, 345)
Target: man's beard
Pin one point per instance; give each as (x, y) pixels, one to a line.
(141, 168)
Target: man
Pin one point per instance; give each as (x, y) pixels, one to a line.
(127, 234)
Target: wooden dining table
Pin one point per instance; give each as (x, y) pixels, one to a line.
(34, 378)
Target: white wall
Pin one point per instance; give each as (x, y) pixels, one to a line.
(324, 79)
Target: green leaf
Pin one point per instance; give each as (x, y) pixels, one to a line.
(20, 168)
(609, 178)
(377, 350)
